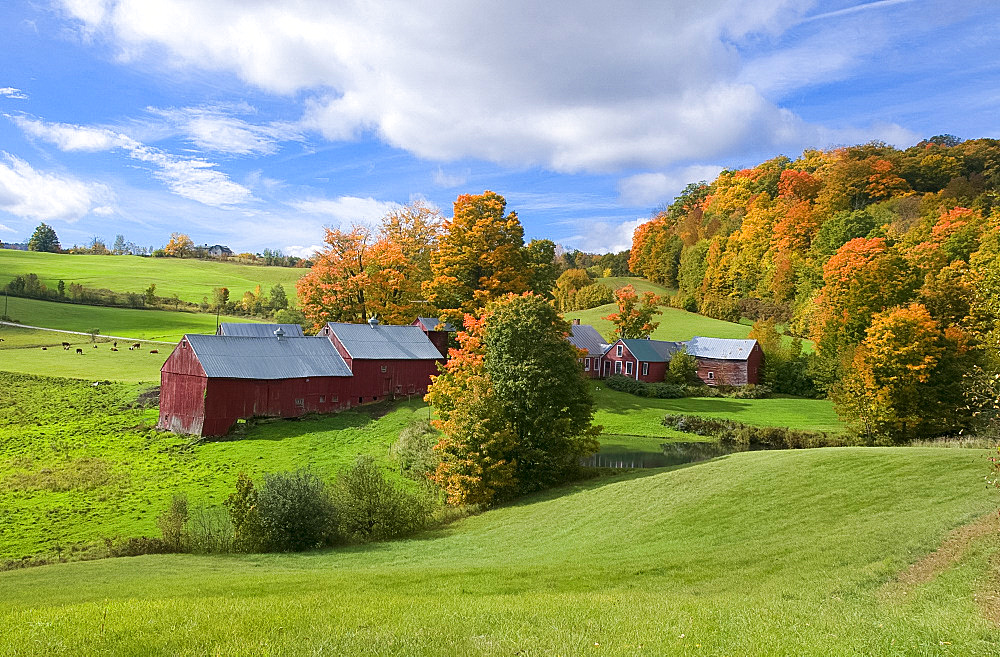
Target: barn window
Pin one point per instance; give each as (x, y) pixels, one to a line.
(618, 352)
(334, 400)
(300, 402)
(383, 368)
(711, 375)
(628, 367)
(645, 369)
(618, 367)
(413, 389)
(586, 365)
(322, 399)
(184, 344)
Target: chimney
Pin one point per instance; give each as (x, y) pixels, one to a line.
(279, 333)
(576, 322)
(372, 322)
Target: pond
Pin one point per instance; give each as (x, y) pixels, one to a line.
(672, 453)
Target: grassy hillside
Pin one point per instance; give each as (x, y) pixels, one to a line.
(145, 324)
(675, 324)
(79, 463)
(793, 553)
(21, 351)
(641, 285)
(190, 280)
(622, 413)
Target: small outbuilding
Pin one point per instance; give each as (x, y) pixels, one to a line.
(437, 331)
(727, 362)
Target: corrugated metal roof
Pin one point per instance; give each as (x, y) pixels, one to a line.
(585, 336)
(720, 348)
(260, 330)
(431, 323)
(244, 357)
(385, 342)
(653, 351)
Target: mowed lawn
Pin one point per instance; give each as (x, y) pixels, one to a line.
(768, 553)
(623, 413)
(163, 325)
(190, 280)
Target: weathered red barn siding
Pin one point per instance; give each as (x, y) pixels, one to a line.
(732, 372)
(440, 340)
(657, 370)
(182, 393)
(227, 400)
(400, 378)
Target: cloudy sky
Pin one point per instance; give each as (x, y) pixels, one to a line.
(255, 123)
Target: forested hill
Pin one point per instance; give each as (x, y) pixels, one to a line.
(836, 241)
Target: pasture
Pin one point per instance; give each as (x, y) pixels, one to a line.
(641, 285)
(810, 552)
(166, 325)
(80, 463)
(190, 280)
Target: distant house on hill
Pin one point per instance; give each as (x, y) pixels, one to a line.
(721, 361)
(258, 330)
(219, 251)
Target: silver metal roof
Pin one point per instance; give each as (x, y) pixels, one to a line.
(720, 348)
(383, 342)
(585, 336)
(431, 324)
(260, 330)
(245, 357)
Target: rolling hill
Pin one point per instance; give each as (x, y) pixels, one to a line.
(190, 280)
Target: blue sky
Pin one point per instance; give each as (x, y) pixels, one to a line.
(256, 123)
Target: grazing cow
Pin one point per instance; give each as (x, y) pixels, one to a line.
(115, 345)
(154, 351)
(65, 345)
(113, 349)
(79, 351)
(45, 348)
(95, 346)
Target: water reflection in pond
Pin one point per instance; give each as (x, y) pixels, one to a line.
(674, 453)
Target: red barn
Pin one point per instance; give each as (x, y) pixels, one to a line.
(437, 332)
(210, 381)
(724, 362)
(386, 360)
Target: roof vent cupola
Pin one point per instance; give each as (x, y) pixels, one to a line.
(372, 322)
(279, 333)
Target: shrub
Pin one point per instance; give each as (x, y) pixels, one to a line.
(751, 436)
(593, 295)
(171, 523)
(210, 531)
(665, 390)
(294, 512)
(370, 508)
(244, 516)
(750, 391)
(414, 450)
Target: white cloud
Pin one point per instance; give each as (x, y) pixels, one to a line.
(192, 178)
(605, 236)
(446, 180)
(11, 92)
(347, 210)
(7, 229)
(215, 129)
(302, 251)
(572, 88)
(656, 188)
(31, 194)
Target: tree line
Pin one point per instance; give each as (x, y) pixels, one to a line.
(888, 259)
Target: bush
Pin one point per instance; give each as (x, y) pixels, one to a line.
(593, 295)
(210, 531)
(750, 391)
(370, 508)
(294, 512)
(751, 436)
(664, 390)
(171, 523)
(414, 450)
(653, 390)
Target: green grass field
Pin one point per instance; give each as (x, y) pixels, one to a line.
(165, 325)
(190, 280)
(623, 413)
(768, 553)
(79, 463)
(641, 285)
(675, 324)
